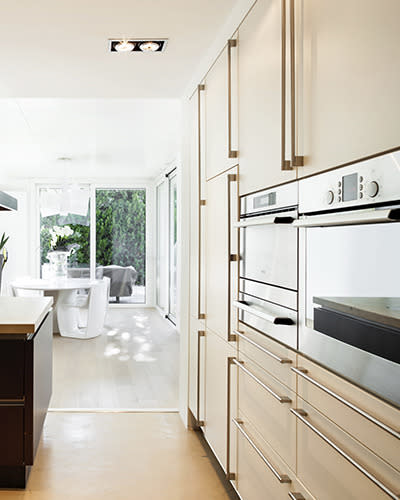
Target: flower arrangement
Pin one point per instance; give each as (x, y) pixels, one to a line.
(3, 250)
(59, 238)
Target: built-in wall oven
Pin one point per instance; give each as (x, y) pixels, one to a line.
(349, 315)
(268, 278)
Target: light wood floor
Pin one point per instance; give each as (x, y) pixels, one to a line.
(133, 364)
(120, 457)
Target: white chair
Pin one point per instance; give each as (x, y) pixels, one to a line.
(90, 311)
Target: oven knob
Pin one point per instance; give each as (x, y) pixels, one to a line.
(330, 196)
(372, 189)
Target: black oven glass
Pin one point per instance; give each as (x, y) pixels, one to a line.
(350, 187)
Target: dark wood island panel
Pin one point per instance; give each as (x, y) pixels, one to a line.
(25, 391)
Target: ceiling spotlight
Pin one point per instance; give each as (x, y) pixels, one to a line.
(149, 46)
(137, 45)
(124, 46)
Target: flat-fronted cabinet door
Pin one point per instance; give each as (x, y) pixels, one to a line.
(351, 104)
(220, 244)
(216, 396)
(220, 105)
(260, 98)
(197, 194)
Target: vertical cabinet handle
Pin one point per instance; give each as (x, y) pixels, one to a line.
(285, 164)
(229, 475)
(231, 258)
(200, 334)
(297, 161)
(231, 153)
(296, 496)
(201, 203)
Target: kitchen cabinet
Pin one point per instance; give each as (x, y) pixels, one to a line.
(264, 127)
(25, 386)
(221, 249)
(197, 370)
(330, 462)
(368, 419)
(217, 352)
(350, 63)
(221, 113)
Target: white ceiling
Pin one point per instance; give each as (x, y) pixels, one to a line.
(105, 138)
(60, 48)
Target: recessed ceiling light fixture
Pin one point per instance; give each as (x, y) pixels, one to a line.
(137, 45)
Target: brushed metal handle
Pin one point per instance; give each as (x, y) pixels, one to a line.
(200, 334)
(275, 320)
(285, 164)
(282, 478)
(281, 399)
(296, 496)
(229, 475)
(369, 216)
(288, 218)
(12, 402)
(231, 153)
(296, 161)
(262, 349)
(301, 415)
(230, 179)
(304, 374)
(201, 203)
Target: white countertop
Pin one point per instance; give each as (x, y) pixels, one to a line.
(23, 315)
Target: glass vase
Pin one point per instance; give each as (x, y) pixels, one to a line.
(58, 264)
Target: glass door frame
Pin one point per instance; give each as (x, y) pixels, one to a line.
(147, 185)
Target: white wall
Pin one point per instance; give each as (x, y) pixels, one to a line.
(19, 246)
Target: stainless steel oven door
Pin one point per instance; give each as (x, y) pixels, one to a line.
(268, 249)
(357, 260)
(273, 320)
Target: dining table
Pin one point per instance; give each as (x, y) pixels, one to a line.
(65, 293)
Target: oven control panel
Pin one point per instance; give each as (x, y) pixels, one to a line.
(269, 200)
(374, 181)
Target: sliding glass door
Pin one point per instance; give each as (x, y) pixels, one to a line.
(117, 230)
(121, 243)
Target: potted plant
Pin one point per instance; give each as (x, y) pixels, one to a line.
(3, 254)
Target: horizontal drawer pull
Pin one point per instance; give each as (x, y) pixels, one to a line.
(282, 478)
(275, 320)
(303, 373)
(301, 415)
(265, 351)
(12, 402)
(296, 496)
(281, 399)
(262, 220)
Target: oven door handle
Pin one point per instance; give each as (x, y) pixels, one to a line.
(276, 320)
(369, 216)
(286, 218)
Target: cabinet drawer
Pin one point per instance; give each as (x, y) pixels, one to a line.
(270, 355)
(11, 435)
(260, 472)
(12, 356)
(266, 404)
(362, 415)
(331, 463)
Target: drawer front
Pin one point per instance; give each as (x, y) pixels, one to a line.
(323, 389)
(270, 355)
(266, 404)
(255, 478)
(12, 360)
(11, 435)
(329, 461)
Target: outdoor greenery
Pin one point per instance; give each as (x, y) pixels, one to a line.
(120, 231)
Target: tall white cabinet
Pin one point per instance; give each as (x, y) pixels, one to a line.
(302, 86)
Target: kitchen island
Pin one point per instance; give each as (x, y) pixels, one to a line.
(26, 336)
